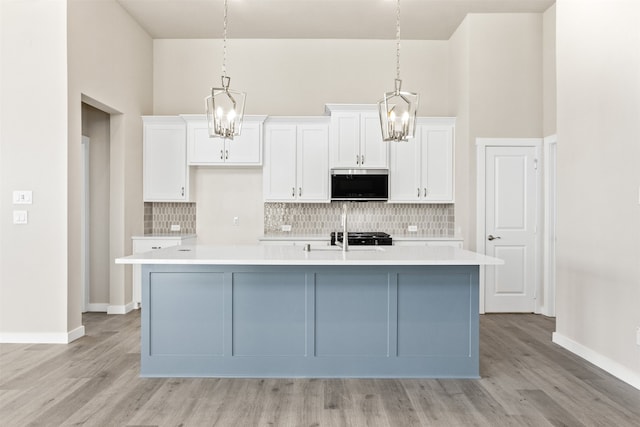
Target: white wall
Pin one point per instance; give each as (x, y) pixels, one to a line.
(598, 264)
(54, 52)
(549, 84)
(496, 69)
(33, 113)
(111, 67)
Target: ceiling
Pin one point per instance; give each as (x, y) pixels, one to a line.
(314, 19)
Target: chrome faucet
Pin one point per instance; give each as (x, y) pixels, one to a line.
(345, 234)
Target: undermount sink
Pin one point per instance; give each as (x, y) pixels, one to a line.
(351, 248)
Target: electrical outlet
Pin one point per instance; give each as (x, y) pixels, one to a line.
(413, 228)
(175, 227)
(236, 220)
(286, 227)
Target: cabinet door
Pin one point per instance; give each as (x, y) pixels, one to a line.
(279, 172)
(404, 171)
(203, 150)
(313, 163)
(345, 140)
(437, 164)
(164, 162)
(246, 148)
(374, 152)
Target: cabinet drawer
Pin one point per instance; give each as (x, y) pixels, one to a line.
(146, 245)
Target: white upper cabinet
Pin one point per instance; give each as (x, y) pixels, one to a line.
(296, 166)
(356, 138)
(244, 150)
(422, 169)
(165, 173)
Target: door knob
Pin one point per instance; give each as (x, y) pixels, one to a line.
(490, 237)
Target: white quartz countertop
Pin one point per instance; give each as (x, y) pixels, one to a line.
(295, 255)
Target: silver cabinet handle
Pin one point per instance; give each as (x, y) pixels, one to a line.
(362, 159)
(418, 191)
(490, 237)
(293, 191)
(357, 159)
(226, 154)
(182, 191)
(425, 191)
(156, 247)
(221, 154)
(299, 191)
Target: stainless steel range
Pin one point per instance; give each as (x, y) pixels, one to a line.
(374, 238)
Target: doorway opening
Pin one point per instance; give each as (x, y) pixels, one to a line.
(95, 251)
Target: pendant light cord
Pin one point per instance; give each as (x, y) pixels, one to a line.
(224, 42)
(397, 39)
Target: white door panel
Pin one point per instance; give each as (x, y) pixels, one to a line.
(510, 226)
(512, 280)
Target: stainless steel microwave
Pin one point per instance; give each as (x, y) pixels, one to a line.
(359, 184)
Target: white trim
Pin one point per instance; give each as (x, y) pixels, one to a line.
(603, 362)
(75, 334)
(85, 241)
(97, 307)
(41, 338)
(549, 230)
(481, 146)
(120, 309)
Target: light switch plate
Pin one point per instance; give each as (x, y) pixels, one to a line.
(20, 217)
(413, 228)
(286, 227)
(22, 197)
(175, 227)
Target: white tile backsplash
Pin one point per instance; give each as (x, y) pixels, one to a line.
(431, 220)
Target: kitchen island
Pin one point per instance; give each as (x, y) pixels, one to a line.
(280, 311)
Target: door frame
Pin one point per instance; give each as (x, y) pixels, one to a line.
(550, 220)
(85, 245)
(481, 148)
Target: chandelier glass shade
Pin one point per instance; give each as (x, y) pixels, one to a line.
(225, 110)
(224, 107)
(398, 109)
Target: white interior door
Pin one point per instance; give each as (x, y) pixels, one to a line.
(511, 217)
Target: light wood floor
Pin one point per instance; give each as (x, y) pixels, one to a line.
(526, 381)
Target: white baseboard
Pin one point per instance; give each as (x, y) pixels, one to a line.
(614, 368)
(75, 334)
(121, 309)
(97, 307)
(42, 338)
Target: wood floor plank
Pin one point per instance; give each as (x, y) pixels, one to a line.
(526, 381)
(552, 411)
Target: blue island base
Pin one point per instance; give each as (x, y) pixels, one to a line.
(310, 321)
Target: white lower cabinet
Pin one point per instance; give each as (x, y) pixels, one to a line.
(283, 241)
(143, 244)
(421, 170)
(296, 167)
(415, 241)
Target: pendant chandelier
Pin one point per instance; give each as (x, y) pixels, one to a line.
(398, 109)
(225, 107)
